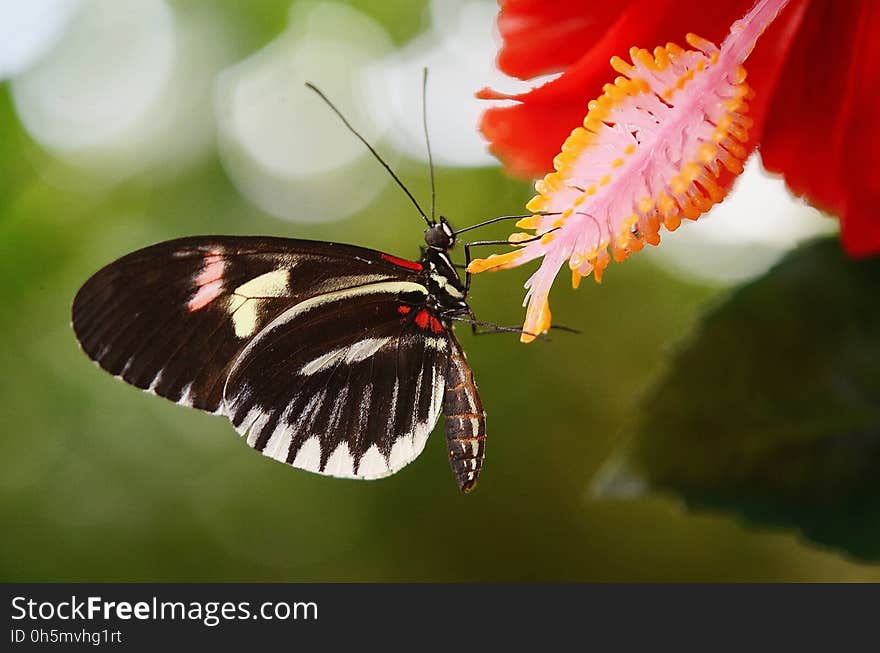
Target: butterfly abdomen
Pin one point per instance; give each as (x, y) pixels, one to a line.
(465, 422)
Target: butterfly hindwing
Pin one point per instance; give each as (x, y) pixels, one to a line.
(347, 384)
(172, 318)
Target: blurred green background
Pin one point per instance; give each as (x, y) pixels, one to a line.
(99, 481)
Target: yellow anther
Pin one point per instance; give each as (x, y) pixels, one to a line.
(746, 122)
(691, 210)
(715, 192)
(622, 66)
(672, 221)
(706, 153)
(599, 264)
(684, 79)
(646, 204)
(735, 148)
(494, 262)
(619, 251)
(640, 85)
(661, 57)
(537, 321)
(644, 58)
(700, 43)
(536, 204)
(549, 184)
(733, 105)
(691, 171)
(665, 203)
(730, 162)
(531, 222)
(678, 184)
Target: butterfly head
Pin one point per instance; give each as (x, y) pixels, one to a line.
(440, 236)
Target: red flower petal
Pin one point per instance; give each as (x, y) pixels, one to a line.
(766, 63)
(861, 141)
(823, 131)
(545, 37)
(528, 135)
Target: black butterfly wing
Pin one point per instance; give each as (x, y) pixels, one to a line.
(347, 384)
(171, 318)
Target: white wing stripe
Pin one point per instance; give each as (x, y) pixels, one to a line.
(359, 351)
(309, 455)
(340, 463)
(279, 443)
(373, 464)
(322, 361)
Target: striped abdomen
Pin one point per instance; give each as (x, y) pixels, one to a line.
(465, 421)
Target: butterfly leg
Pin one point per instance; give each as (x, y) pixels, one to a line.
(491, 327)
(479, 243)
(503, 217)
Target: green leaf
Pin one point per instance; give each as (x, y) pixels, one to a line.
(771, 409)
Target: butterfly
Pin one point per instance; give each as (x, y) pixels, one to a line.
(331, 358)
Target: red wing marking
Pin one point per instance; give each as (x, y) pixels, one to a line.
(436, 325)
(425, 320)
(402, 262)
(403, 310)
(422, 318)
(209, 281)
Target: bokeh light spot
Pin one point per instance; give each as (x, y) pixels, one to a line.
(281, 145)
(29, 29)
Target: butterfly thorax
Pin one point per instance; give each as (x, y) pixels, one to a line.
(446, 291)
(444, 285)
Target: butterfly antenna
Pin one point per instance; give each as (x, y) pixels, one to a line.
(428, 141)
(372, 151)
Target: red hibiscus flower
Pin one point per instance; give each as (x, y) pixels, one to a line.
(815, 74)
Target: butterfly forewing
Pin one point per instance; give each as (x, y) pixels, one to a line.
(347, 384)
(171, 318)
